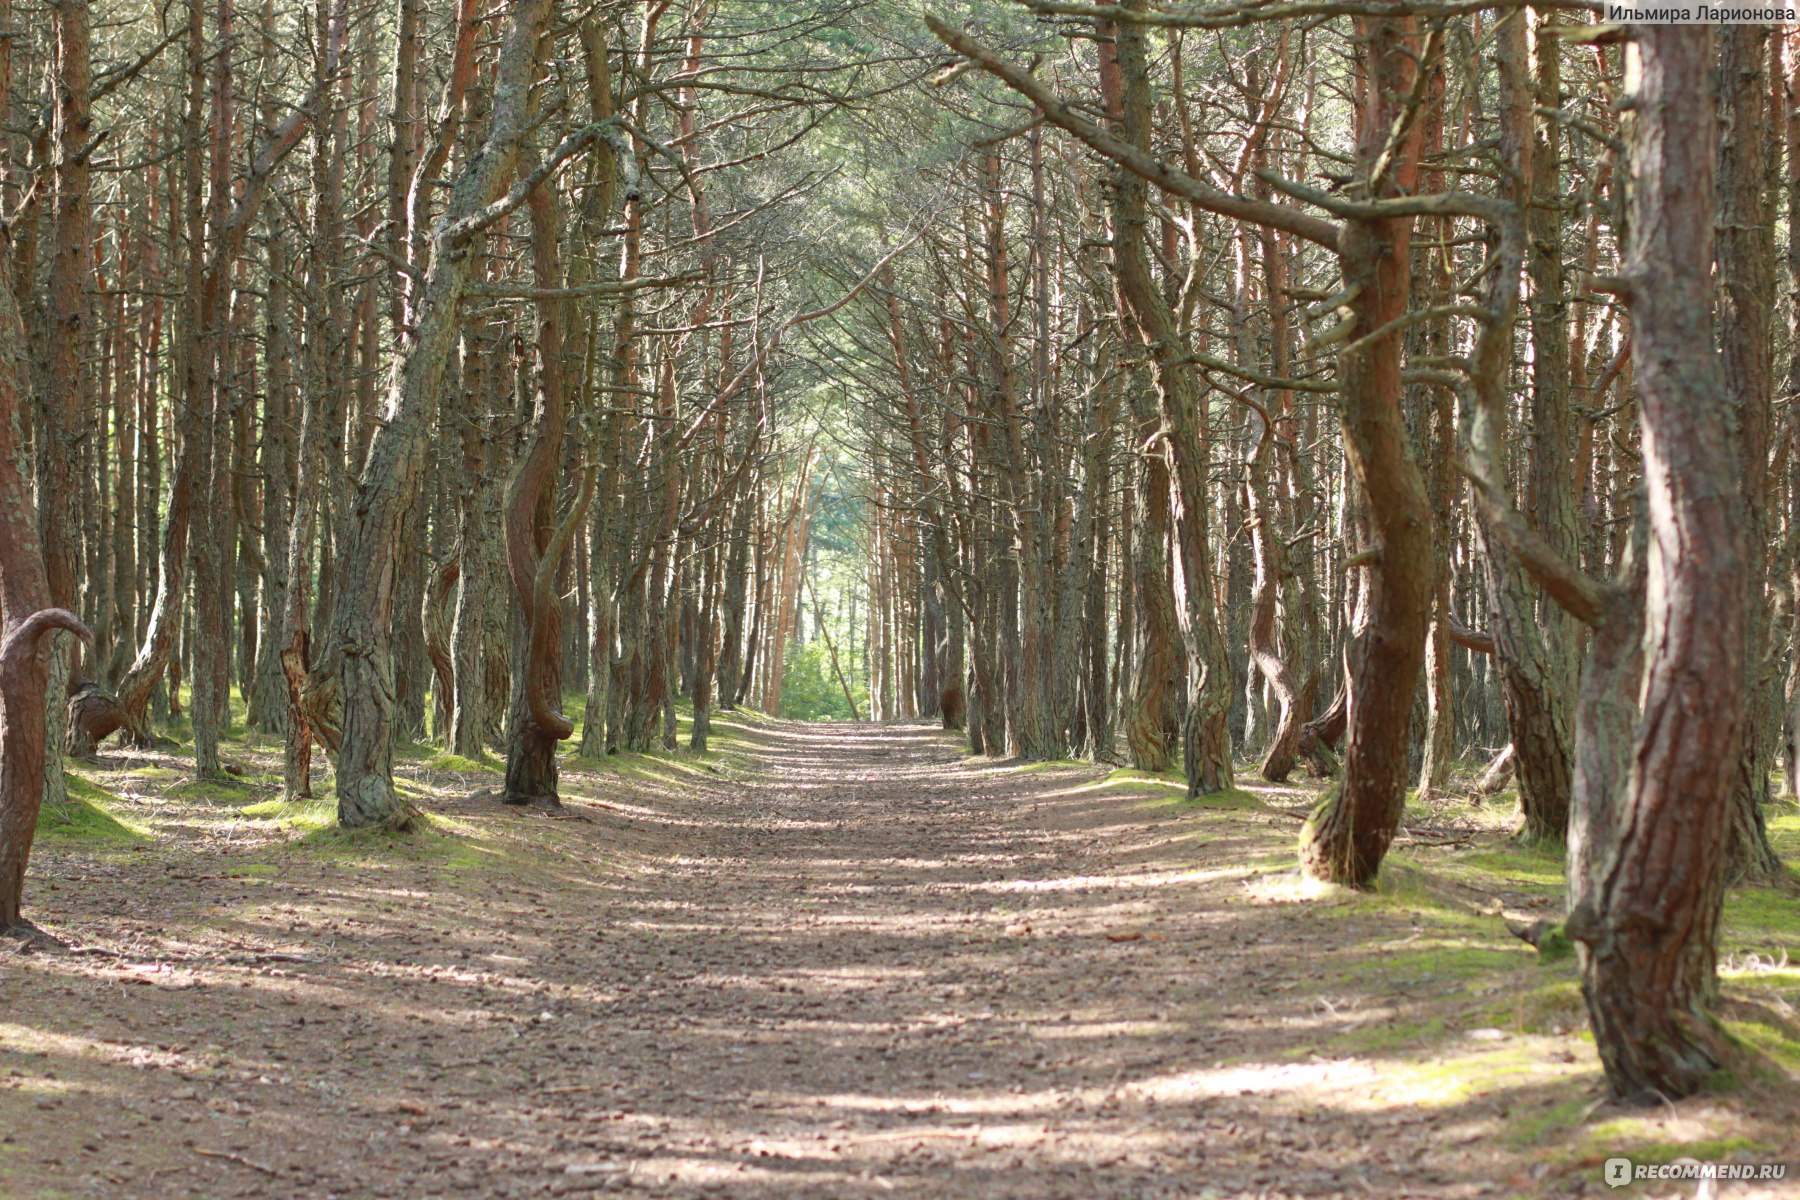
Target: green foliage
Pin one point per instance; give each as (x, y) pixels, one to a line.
(809, 690)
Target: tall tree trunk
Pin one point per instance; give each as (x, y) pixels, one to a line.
(67, 407)
(26, 622)
(1150, 716)
(1350, 832)
(535, 546)
(203, 360)
(1206, 734)
(1648, 926)
(1746, 274)
(358, 654)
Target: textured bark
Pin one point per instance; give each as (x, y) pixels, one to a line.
(1294, 698)
(736, 585)
(202, 351)
(358, 660)
(93, 716)
(306, 726)
(157, 644)
(1269, 554)
(1149, 718)
(25, 625)
(67, 396)
(269, 710)
(1437, 403)
(1348, 835)
(1536, 678)
(535, 545)
(131, 446)
(1791, 209)
(1545, 788)
(963, 591)
(1206, 733)
(1032, 701)
(1746, 275)
(434, 620)
(24, 674)
(1648, 928)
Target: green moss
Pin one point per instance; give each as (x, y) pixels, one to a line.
(229, 791)
(1387, 1037)
(297, 815)
(1158, 780)
(1763, 1030)
(1555, 945)
(1525, 1130)
(1234, 799)
(1512, 867)
(1127, 780)
(1760, 920)
(1637, 1138)
(443, 760)
(1440, 960)
(1784, 834)
(1426, 894)
(1547, 1008)
(1031, 767)
(1456, 810)
(1464, 1072)
(91, 817)
(1761, 978)
(438, 841)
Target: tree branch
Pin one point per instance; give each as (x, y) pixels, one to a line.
(1138, 162)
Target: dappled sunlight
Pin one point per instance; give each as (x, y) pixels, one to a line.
(1117, 882)
(913, 974)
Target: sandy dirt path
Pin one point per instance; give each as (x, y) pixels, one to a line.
(844, 961)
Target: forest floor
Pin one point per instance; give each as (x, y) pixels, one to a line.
(819, 961)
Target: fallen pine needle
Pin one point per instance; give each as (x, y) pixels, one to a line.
(239, 1159)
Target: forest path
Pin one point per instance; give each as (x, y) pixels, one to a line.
(830, 961)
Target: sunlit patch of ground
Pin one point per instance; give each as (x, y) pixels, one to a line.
(819, 961)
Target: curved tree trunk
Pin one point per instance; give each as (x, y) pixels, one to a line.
(358, 661)
(534, 550)
(1206, 732)
(1150, 717)
(1648, 925)
(25, 626)
(1349, 834)
(1265, 544)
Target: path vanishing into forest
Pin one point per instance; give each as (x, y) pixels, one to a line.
(835, 961)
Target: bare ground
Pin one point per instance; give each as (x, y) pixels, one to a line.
(830, 961)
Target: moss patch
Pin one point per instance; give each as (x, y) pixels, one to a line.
(1642, 1140)
(91, 817)
(304, 816)
(443, 760)
(440, 841)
